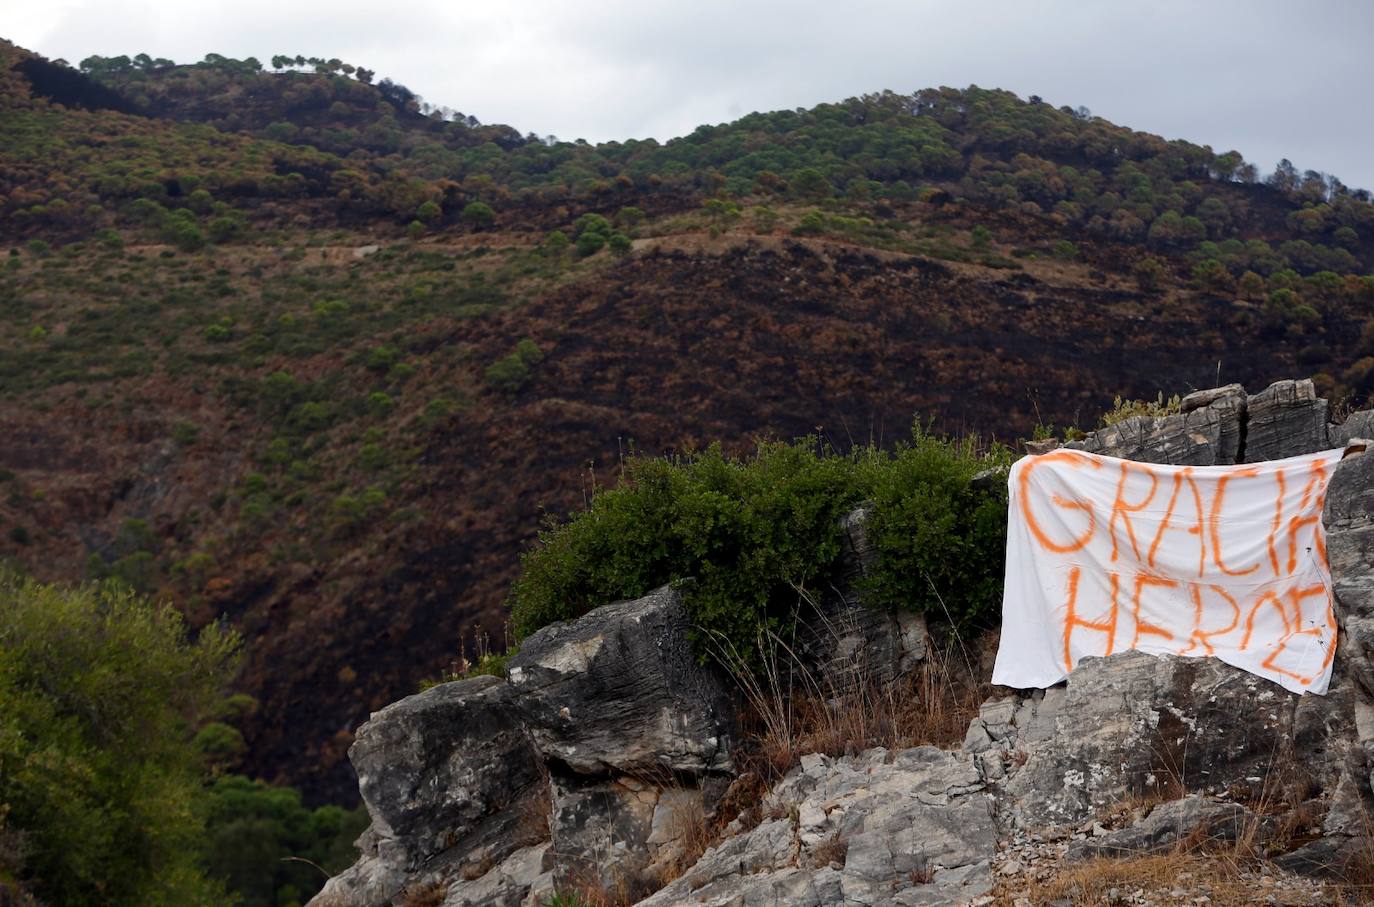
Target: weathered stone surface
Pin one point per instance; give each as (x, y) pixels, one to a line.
(1132, 724)
(1168, 823)
(621, 690)
(910, 827)
(1284, 420)
(446, 776)
(1359, 425)
(1202, 399)
(506, 884)
(1204, 435)
(1349, 520)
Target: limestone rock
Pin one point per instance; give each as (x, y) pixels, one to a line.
(507, 884)
(1167, 824)
(621, 690)
(1206, 433)
(841, 640)
(880, 828)
(621, 833)
(1284, 420)
(1349, 520)
(1358, 425)
(1133, 724)
(447, 777)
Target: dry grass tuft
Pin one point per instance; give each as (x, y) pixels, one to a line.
(431, 895)
(833, 850)
(792, 710)
(692, 832)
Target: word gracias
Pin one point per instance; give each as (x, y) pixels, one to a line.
(1226, 561)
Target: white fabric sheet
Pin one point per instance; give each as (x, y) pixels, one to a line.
(1105, 555)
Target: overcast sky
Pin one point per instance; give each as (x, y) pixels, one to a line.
(1268, 79)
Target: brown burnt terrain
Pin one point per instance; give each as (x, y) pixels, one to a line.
(677, 346)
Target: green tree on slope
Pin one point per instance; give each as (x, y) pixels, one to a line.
(100, 692)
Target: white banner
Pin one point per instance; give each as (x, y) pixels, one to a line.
(1105, 555)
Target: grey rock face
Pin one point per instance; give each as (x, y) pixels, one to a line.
(1358, 425)
(1284, 420)
(1207, 433)
(1133, 724)
(1349, 520)
(505, 885)
(621, 690)
(449, 779)
(880, 828)
(1166, 825)
(433, 766)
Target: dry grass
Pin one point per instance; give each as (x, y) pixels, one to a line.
(1229, 872)
(580, 892)
(692, 832)
(1228, 869)
(832, 850)
(791, 711)
(423, 896)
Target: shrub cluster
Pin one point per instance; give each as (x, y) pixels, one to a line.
(752, 535)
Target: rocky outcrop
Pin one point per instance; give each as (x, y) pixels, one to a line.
(601, 759)
(634, 730)
(1284, 420)
(584, 767)
(911, 827)
(622, 690)
(1222, 426)
(451, 785)
(1138, 725)
(1209, 431)
(1349, 519)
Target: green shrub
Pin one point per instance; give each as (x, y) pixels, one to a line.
(102, 693)
(556, 242)
(262, 841)
(751, 535)
(812, 224)
(940, 542)
(507, 374)
(590, 244)
(510, 373)
(479, 214)
(1128, 409)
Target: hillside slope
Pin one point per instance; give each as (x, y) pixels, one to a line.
(321, 370)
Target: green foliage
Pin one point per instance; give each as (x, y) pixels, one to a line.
(429, 212)
(478, 214)
(592, 232)
(556, 242)
(567, 899)
(1129, 409)
(939, 540)
(512, 372)
(1149, 273)
(102, 692)
(751, 536)
(253, 828)
(1064, 250)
